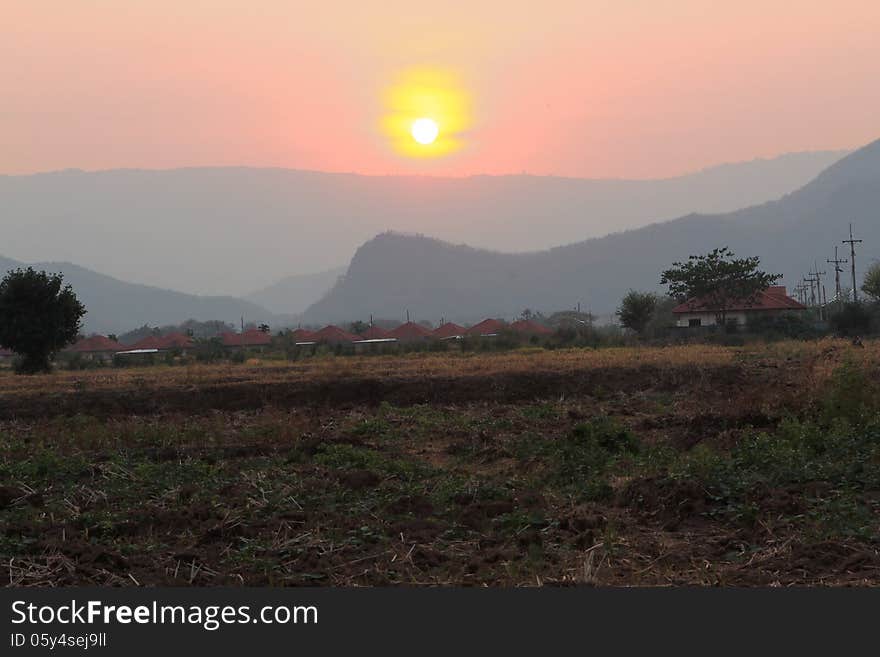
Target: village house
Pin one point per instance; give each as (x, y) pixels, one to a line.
(410, 332)
(334, 335)
(449, 331)
(252, 339)
(96, 347)
(487, 328)
(528, 327)
(772, 301)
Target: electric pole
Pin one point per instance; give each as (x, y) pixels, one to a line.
(852, 251)
(812, 298)
(838, 270)
(818, 278)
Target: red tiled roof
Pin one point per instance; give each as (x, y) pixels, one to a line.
(250, 338)
(487, 327)
(410, 331)
(96, 343)
(149, 342)
(773, 298)
(375, 333)
(176, 340)
(302, 335)
(529, 327)
(449, 330)
(334, 334)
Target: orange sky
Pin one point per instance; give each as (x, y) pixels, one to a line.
(618, 88)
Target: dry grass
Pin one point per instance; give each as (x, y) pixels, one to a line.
(825, 353)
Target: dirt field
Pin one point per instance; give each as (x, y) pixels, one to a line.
(688, 465)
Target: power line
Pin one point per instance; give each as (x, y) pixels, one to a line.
(837, 272)
(852, 249)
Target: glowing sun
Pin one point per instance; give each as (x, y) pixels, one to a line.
(425, 131)
(427, 113)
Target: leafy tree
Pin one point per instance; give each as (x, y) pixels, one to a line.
(871, 286)
(636, 310)
(359, 327)
(852, 319)
(39, 315)
(662, 319)
(717, 281)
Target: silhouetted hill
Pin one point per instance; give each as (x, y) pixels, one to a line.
(234, 230)
(115, 306)
(8, 263)
(293, 294)
(393, 272)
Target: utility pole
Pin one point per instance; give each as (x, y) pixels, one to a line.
(818, 274)
(838, 270)
(811, 300)
(852, 258)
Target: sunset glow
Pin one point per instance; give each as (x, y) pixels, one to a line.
(417, 105)
(579, 88)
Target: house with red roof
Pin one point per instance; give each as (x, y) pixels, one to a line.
(176, 341)
(250, 339)
(487, 327)
(148, 342)
(449, 330)
(772, 301)
(96, 347)
(334, 335)
(375, 333)
(302, 335)
(410, 332)
(528, 327)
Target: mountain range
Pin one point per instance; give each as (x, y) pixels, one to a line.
(295, 293)
(395, 273)
(239, 230)
(114, 306)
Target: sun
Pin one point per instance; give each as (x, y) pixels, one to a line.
(427, 113)
(425, 131)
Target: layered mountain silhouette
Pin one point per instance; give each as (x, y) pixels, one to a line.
(393, 273)
(114, 306)
(293, 294)
(235, 230)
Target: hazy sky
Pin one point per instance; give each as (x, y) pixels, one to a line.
(623, 88)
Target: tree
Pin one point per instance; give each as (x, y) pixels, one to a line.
(871, 286)
(39, 315)
(851, 320)
(716, 281)
(636, 310)
(358, 327)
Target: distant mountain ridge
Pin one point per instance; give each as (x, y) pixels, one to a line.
(393, 273)
(114, 306)
(293, 294)
(236, 230)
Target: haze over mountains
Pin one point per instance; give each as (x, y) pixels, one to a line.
(114, 306)
(296, 293)
(237, 230)
(392, 273)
